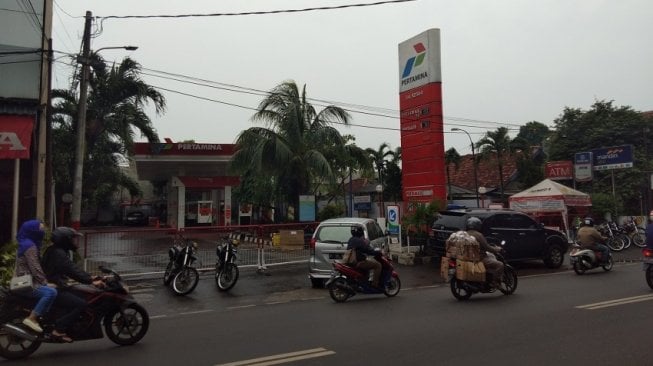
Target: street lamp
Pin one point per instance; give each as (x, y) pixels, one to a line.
(379, 191)
(84, 60)
(473, 161)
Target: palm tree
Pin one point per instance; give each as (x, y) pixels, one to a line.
(379, 156)
(115, 111)
(451, 156)
(291, 147)
(497, 144)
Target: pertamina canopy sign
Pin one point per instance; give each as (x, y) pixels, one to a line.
(617, 157)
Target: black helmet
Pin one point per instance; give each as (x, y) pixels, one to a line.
(588, 221)
(473, 223)
(357, 231)
(63, 237)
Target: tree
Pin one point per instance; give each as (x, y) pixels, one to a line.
(392, 188)
(451, 156)
(606, 125)
(291, 146)
(115, 112)
(379, 158)
(497, 144)
(529, 142)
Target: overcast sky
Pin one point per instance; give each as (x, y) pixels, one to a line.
(504, 62)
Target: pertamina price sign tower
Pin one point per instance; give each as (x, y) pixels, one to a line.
(422, 136)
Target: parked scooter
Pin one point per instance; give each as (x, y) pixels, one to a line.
(226, 269)
(463, 290)
(125, 322)
(647, 266)
(180, 274)
(583, 259)
(347, 281)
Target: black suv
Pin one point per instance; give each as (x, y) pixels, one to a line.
(525, 239)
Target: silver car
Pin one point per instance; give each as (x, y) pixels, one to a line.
(329, 243)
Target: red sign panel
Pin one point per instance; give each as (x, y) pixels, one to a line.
(422, 143)
(16, 136)
(559, 170)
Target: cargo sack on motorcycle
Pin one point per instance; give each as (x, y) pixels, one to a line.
(349, 257)
(444, 268)
(463, 246)
(470, 271)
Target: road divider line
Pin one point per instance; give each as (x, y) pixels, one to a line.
(282, 358)
(616, 302)
(196, 312)
(241, 307)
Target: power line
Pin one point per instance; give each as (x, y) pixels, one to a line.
(253, 12)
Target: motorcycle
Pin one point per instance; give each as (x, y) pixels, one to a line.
(583, 259)
(180, 274)
(615, 241)
(346, 281)
(647, 265)
(463, 290)
(226, 269)
(125, 322)
(634, 233)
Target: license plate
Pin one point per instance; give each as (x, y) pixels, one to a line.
(335, 256)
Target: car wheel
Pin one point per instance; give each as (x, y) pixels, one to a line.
(554, 256)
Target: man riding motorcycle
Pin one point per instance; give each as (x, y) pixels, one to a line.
(493, 266)
(361, 247)
(59, 268)
(590, 238)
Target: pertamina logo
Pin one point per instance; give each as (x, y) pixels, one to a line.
(412, 63)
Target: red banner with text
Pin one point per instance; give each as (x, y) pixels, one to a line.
(16, 136)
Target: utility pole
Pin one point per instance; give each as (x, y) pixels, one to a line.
(81, 125)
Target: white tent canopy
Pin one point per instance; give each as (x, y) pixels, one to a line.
(549, 196)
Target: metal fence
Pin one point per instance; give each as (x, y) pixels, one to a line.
(144, 251)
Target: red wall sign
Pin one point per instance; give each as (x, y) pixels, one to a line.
(559, 170)
(16, 136)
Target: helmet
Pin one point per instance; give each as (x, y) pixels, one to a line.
(588, 221)
(357, 231)
(473, 223)
(63, 237)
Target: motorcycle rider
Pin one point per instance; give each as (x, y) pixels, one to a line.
(59, 268)
(493, 266)
(362, 247)
(590, 238)
(649, 231)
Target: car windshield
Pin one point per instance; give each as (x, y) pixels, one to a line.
(334, 233)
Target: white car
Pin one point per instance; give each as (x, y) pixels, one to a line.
(329, 243)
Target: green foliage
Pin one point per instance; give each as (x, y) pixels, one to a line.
(496, 145)
(7, 262)
(422, 216)
(331, 211)
(603, 204)
(291, 147)
(606, 125)
(392, 182)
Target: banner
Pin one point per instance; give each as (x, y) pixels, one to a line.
(16, 136)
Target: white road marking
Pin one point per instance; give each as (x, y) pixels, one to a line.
(196, 312)
(241, 307)
(158, 317)
(616, 302)
(282, 358)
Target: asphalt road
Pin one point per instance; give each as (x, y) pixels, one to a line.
(553, 318)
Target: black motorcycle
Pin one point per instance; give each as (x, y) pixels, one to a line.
(226, 269)
(463, 290)
(125, 322)
(180, 274)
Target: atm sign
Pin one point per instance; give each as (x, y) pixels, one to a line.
(559, 170)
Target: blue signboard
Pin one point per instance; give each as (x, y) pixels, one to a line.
(613, 157)
(393, 220)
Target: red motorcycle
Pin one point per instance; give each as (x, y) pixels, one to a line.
(347, 281)
(125, 321)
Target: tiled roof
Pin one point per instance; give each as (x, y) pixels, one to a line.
(487, 171)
